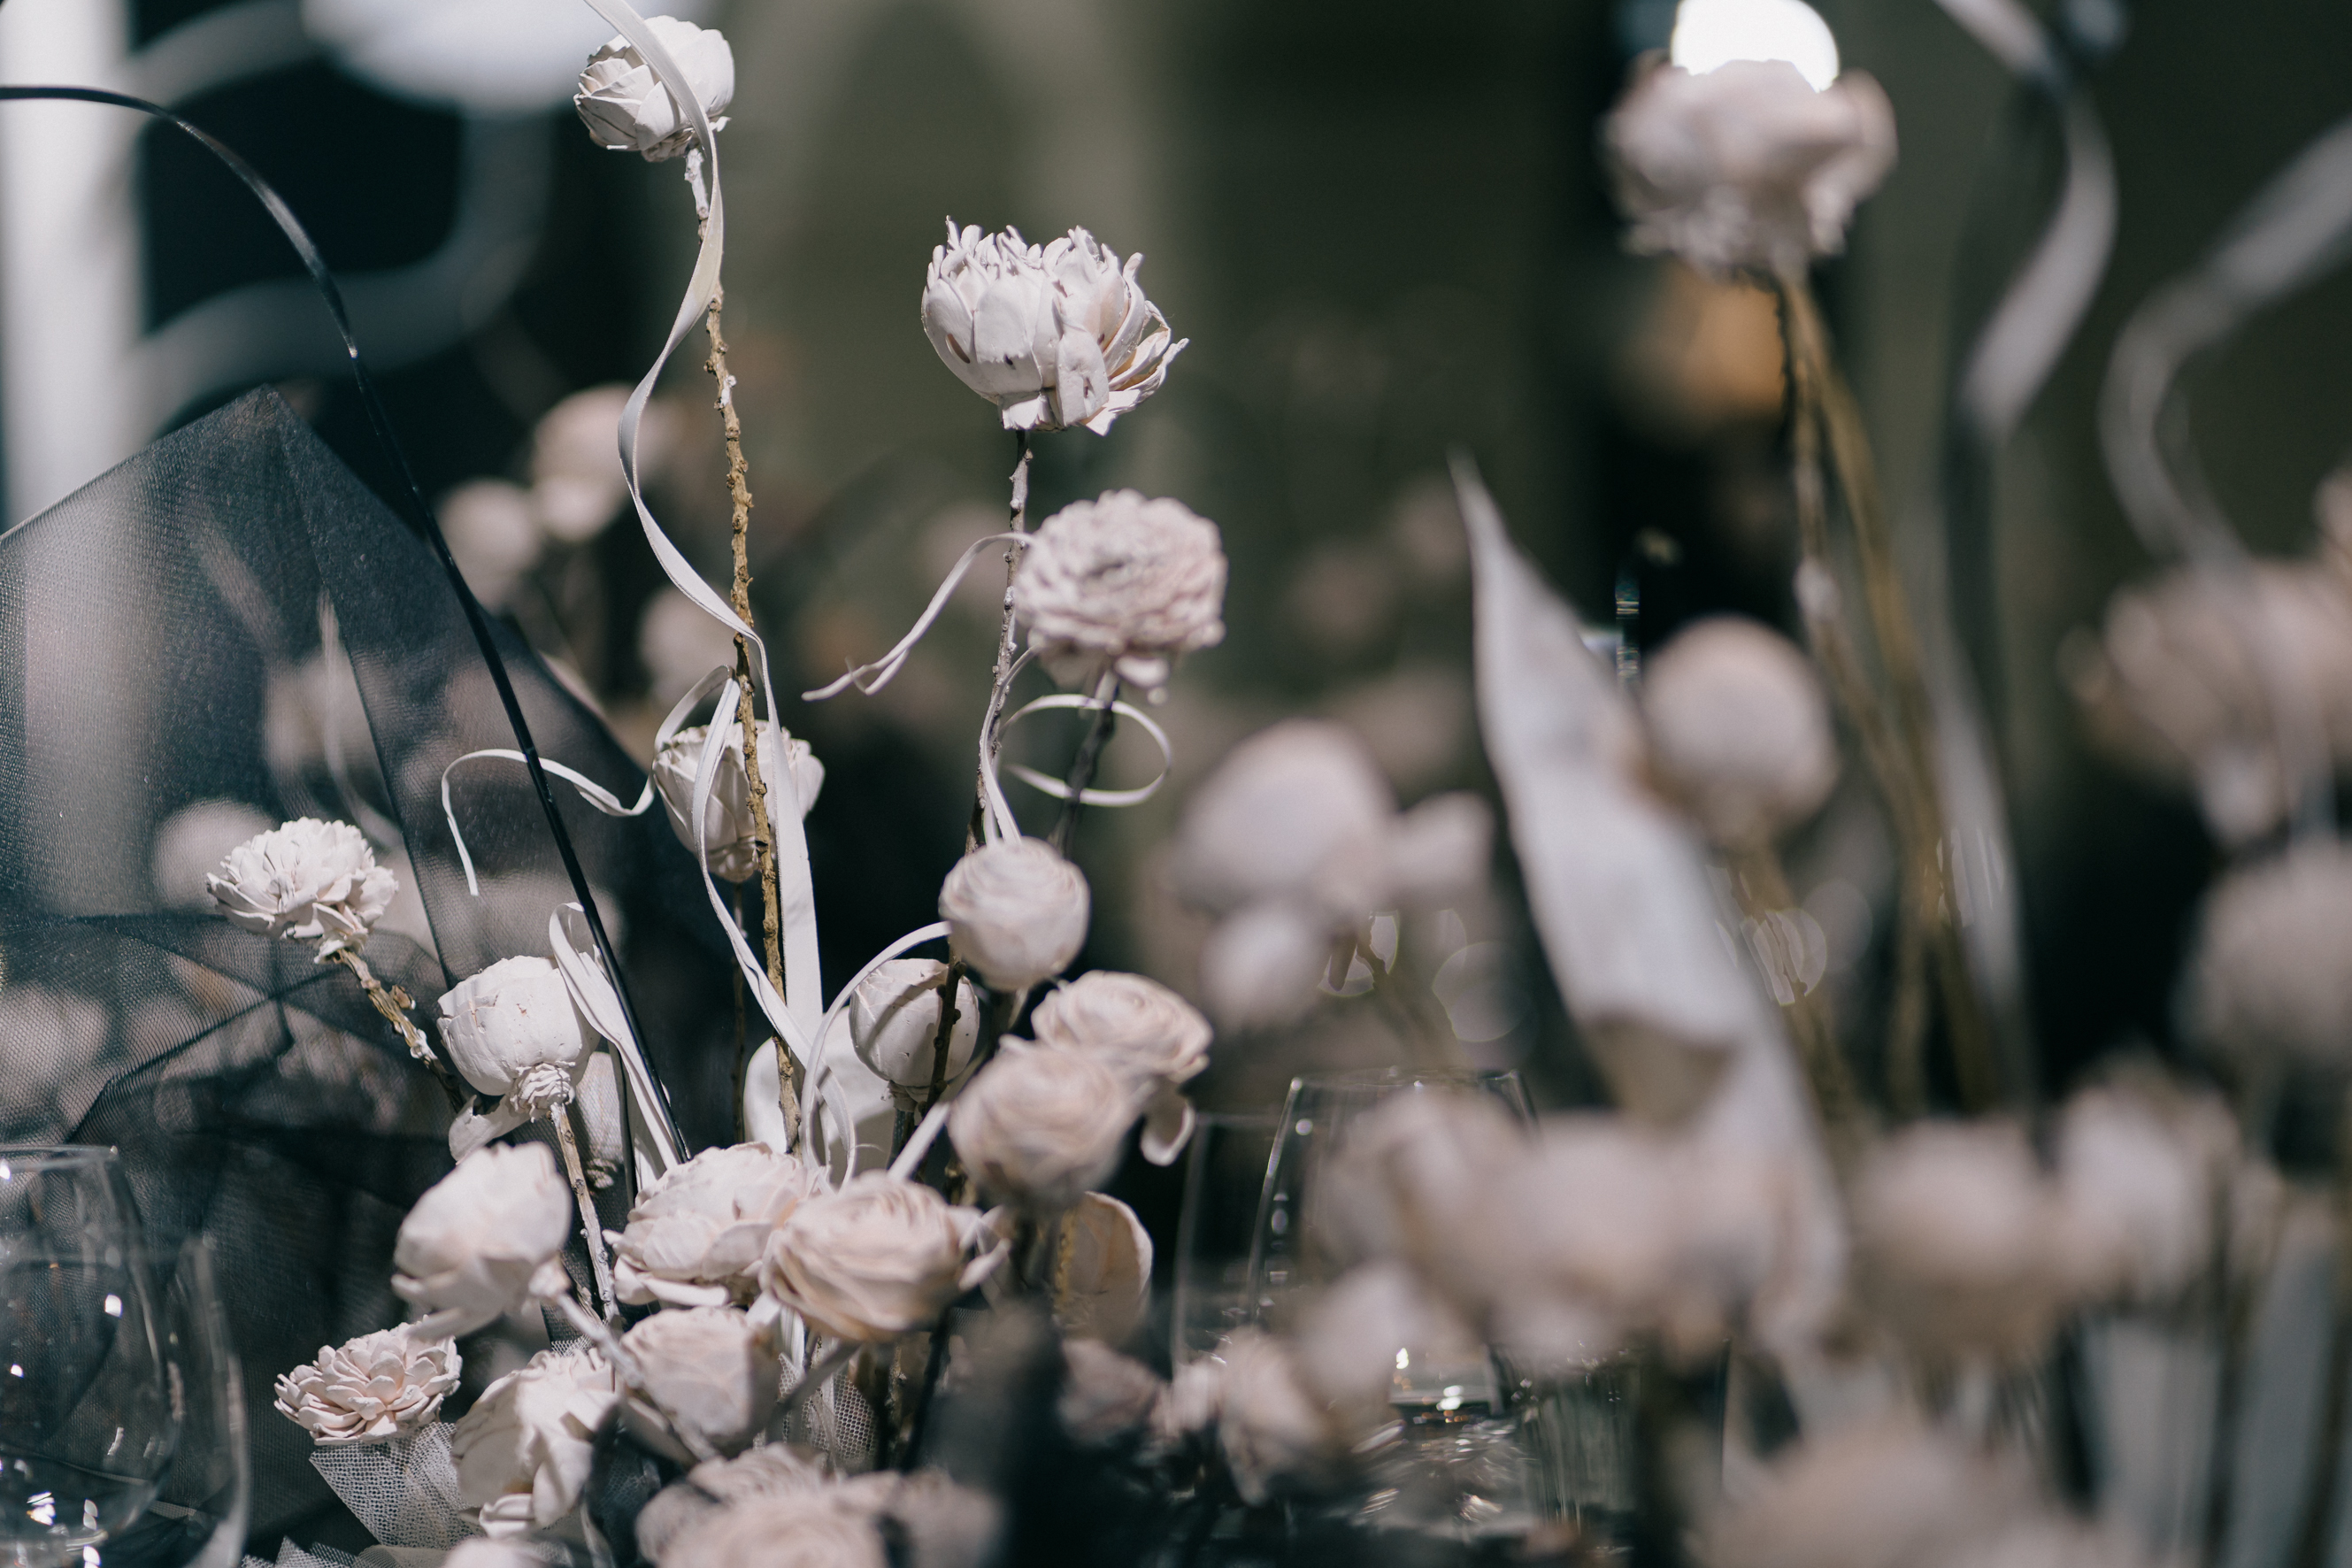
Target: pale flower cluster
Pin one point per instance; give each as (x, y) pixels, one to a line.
(1122, 584)
(2265, 980)
(697, 1234)
(525, 1450)
(374, 1388)
(307, 881)
(880, 1258)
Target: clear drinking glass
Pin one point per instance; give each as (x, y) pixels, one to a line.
(201, 1508)
(1225, 1175)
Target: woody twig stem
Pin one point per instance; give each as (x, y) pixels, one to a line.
(1001, 682)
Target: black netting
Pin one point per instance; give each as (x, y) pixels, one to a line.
(226, 631)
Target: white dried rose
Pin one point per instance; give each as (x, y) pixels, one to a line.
(893, 1023)
(1105, 1396)
(880, 1258)
(468, 1252)
(1270, 1429)
(376, 1386)
(525, 1450)
(626, 107)
(730, 826)
(1260, 965)
(1038, 1127)
(513, 1029)
(306, 882)
(576, 485)
(1416, 1178)
(1140, 1028)
(1887, 1493)
(1016, 912)
(711, 1369)
(1739, 730)
(1122, 584)
(1054, 337)
(1746, 165)
(2267, 977)
(771, 1472)
(1297, 813)
(2141, 1168)
(784, 1530)
(696, 1234)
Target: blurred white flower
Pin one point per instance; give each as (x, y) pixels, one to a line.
(576, 486)
(771, 1472)
(481, 1552)
(525, 1450)
(1102, 1275)
(1270, 1429)
(376, 1386)
(627, 109)
(1417, 1178)
(1016, 912)
(306, 882)
(1739, 730)
(696, 1234)
(1054, 337)
(469, 1250)
(680, 644)
(880, 1258)
(1038, 1127)
(933, 1522)
(492, 535)
(729, 828)
(191, 842)
(1105, 1395)
(1748, 166)
(2268, 977)
(513, 1029)
(1141, 1029)
(1347, 1342)
(1875, 1494)
(893, 1023)
(2141, 1171)
(711, 1369)
(1122, 584)
(781, 1530)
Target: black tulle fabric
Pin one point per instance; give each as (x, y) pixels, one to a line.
(168, 664)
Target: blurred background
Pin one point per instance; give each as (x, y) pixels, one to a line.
(1384, 229)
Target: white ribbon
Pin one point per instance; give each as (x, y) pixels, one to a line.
(1060, 790)
(591, 992)
(872, 678)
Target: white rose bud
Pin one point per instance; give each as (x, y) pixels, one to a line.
(696, 1234)
(376, 1386)
(880, 1258)
(1038, 1127)
(1739, 730)
(1746, 165)
(1269, 1427)
(2267, 975)
(712, 1370)
(469, 1250)
(1016, 912)
(1140, 1028)
(627, 109)
(2140, 1167)
(307, 881)
(1122, 584)
(894, 1022)
(729, 825)
(513, 1029)
(525, 1450)
(787, 1530)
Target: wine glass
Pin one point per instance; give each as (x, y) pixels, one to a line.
(201, 1507)
(1225, 1174)
(88, 1416)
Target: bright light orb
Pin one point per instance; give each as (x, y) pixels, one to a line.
(1711, 33)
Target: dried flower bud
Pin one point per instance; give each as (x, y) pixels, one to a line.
(730, 827)
(307, 881)
(1748, 166)
(784, 1530)
(1122, 584)
(1038, 1127)
(1106, 1396)
(697, 1233)
(2140, 1167)
(1270, 1429)
(525, 1450)
(1054, 337)
(1102, 1273)
(627, 110)
(376, 1386)
(2267, 975)
(576, 485)
(880, 1258)
(712, 1370)
(1739, 730)
(514, 1029)
(1297, 813)
(1016, 912)
(469, 1250)
(775, 1470)
(1141, 1029)
(893, 1023)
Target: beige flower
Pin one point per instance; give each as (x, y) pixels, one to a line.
(376, 1386)
(2141, 1166)
(513, 1029)
(1105, 1395)
(711, 1369)
(576, 485)
(1739, 730)
(1016, 912)
(893, 1023)
(1140, 1028)
(696, 1234)
(771, 1472)
(1270, 1429)
(1416, 1178)
(1122, 584)
(880, 1258)
(1102, 1272)
(1038, 1127)
(525, 1450)
(1350, 1341)
(781, 1530)
(306, 882)
(2267, 976)
(729, 825)
(470, 1250)
(627, 110)
(940, 1523)
(1875, 1494)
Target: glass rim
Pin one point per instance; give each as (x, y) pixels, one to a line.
(58, 1154)
(1350, 1077)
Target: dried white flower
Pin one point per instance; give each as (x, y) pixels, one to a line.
(306, 882)
(782, 1529)
(525, 1450)
(1416, 1178)
(626, 107)
(775, 1471)
(481, 1552)
(467, 1253)
(1016, 912)
(1140, 1028)
(2140, 1168)
(1885, 1494)
(492, 535)
(1105, 1395)
(933, 1522)
(576, 485)
(1748, 166)
(1270, 1429)
(711, 1369)
(893, 1023)
(880, 1258)
(1739, 730)
(1347, 1342)
(376, 1386)
(1038, 1127)
(1102, 1272)
(1122, 584)
(730, 827)
(697, 1233)
(1055, 336)
(513, 1029)
(2267, 975)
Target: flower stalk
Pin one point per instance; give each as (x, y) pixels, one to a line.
(590, 1232)
(1000, 680)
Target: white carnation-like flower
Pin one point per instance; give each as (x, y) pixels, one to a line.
(376, 1386)
(893, 1023)
(1142, 1029)
(513, 1029)
(711, 1369)
(525, 1450)
(730, 827)
(2267, 975)
(1122, 584)
(306, 882)
(696, 1234)
(1739, 730)
(472, 1249)
(1055, 336)
(880, 1258)
(1016, 912)
(626, 107)
(1039, 1127)
(1746, 165)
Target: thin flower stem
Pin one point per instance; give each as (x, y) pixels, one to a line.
(393, 1004)
(1001, 682)
(589, 1230)
(1089, 757)
(934, 1363)
(742, 1032)
(632, 1376)
(1762, 889)
(943, 1043)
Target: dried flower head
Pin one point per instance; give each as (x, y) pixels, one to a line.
(1739, 730)
(775, 1471)
(933, 1522)
(730, 827)
(712, 1370)
(1038, 1127)
(1102, 1271)
(514, 1029)
(893, 1023)
(471, 1249)
(627, 110)
(880, 1258)
(306, 882)
(1141, 1029)
(576, 484)
(817, 1528)
(1106, 1396)
(1016, 912)
(1271, 1431)
(1122, 584)
(2141, 1166)
(525, 1450)
(376, 1386)
(2267, 977)
(698, 1231)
